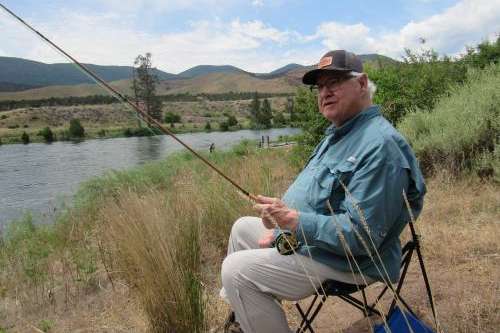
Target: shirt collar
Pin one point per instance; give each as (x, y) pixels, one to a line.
(367, 113)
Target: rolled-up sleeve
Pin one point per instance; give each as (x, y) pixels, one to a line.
(372, 205)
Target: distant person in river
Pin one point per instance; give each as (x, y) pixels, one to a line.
(351, 188)
(212, 147)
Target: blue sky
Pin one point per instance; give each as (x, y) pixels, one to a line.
(255, 35)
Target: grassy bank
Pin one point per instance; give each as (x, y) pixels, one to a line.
(116, 120)
(141, 250)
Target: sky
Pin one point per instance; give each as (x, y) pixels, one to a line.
(254, 35)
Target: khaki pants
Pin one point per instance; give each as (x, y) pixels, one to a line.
(254, 280)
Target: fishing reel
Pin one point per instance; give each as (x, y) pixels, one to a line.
(286, 243)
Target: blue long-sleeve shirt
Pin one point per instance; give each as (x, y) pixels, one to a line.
(376, 164)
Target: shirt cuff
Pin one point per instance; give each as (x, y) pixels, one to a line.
(306, 227)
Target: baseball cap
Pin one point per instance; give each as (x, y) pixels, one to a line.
(338, 61)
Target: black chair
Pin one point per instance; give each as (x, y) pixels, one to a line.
(344, 291)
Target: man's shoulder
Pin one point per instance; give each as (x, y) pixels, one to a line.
(379, 137)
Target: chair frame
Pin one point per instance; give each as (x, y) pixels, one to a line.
(343, 291)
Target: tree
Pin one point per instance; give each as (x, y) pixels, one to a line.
(172, 118)
(265, 114)
(255, 108)
(289, 108)
(279, 119)
(144, 86)
(25, 138)
(232, 121)
(47, 134)
(208, 127)
(223, 126)
(76, 129)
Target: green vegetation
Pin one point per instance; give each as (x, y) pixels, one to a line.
(25, 138)
(261, 113)
(76, 129)
(448, 109)
(46, 134)
(144, 82)
(462, 131)
(171, 118)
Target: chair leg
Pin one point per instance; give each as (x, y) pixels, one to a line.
(307, 317)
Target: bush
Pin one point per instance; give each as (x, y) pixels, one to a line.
(232, 121)
(171, 118)
(224, 126)
(25, 138)
(46, 134)
(418, 82)
(208, 127)
(4, 116)
(76, 129)
(462, 129)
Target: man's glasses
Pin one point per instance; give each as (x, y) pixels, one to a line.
(331, 84)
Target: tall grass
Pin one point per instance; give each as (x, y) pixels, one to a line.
(168, 244)
(462, 132)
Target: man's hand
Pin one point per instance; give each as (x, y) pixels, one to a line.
(275, 213)
(267, 239)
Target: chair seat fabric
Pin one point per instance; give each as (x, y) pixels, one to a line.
(337, 288)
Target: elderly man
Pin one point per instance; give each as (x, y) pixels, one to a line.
(349, 197)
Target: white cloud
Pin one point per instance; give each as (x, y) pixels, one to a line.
(112, 39)
(468, 22)
(251, 45)
(257, 3)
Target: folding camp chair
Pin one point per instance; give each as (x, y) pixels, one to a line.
(344, 291)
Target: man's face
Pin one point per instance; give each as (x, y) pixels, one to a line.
(340, 97)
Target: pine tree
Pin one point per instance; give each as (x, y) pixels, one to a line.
(255, 108)
(144, 86)
(265, 114)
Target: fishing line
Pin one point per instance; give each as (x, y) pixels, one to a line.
(143, 115)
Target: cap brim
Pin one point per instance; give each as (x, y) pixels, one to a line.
(311, 77)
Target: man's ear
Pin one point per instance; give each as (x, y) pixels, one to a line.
(363, 81)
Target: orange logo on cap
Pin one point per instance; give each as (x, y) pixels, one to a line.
(326, 61)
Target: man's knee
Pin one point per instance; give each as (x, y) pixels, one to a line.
(232, 266)
(242, 226)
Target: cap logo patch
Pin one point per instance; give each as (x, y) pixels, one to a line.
(325, 61)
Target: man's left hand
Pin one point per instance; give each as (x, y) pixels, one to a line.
(274, 211)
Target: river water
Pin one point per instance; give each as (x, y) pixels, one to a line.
(40, 177)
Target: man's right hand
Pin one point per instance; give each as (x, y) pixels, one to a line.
(267, 239)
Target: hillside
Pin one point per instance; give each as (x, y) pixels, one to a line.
(32, 73)
(26, 79)
(208, 69)
(209, 83)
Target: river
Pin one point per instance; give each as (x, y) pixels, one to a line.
(41, 178)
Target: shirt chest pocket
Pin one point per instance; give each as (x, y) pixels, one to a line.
(326, 184)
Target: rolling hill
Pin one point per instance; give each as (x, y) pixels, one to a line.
(23, 72)
(27, 79)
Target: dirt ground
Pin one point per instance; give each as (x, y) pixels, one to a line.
(459, 228)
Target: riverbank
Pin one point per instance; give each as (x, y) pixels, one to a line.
(172, 218)
(116, 120)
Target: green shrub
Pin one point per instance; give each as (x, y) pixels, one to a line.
(418, 82)
(208, 127)
(224, 126)
(25, 138)
(171, 118)
(4, 116)
(76, 129)
(46, 325)
(46, 134)
(462, 132)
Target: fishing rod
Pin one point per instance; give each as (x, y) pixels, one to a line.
(143, 115)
